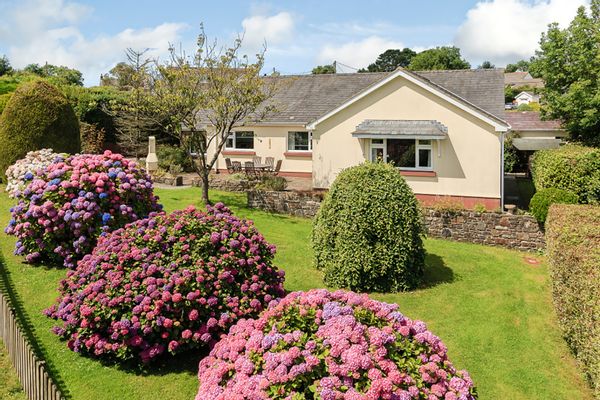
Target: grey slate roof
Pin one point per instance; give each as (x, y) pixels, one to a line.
(426, 128)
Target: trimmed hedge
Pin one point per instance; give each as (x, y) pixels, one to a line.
(367, 235)
(542, 200)
(37, 116)
(572, 167)
(573, 240)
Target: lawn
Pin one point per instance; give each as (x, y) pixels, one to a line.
(10, 387)
(492, 309)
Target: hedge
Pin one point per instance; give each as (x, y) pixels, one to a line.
(542, 200)
(573, 240)
(571, 167)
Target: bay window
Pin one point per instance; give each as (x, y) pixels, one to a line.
(410, 154)
(243, 140)
(299, 141)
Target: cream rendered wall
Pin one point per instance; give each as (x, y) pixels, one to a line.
(270, 141)
(469, 159)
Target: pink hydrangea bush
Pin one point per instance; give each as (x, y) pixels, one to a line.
(166, 284)
(69, 203)
(20, 174)
(325, 345)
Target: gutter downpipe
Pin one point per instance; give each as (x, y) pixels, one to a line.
(501, 171)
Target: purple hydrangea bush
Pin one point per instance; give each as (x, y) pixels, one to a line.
(166, 284)
(325, 345)
(70, 202)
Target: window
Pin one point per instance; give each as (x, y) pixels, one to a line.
(243, 140)
(404, 153)
(299, 141)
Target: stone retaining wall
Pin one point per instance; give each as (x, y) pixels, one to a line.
(521, 232)
(227, 185)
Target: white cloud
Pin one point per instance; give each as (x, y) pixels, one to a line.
(43, 31)
(357, 54)
(505, 31)
(273, 30)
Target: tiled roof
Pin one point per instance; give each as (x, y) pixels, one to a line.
(530, 121)
(522, 79)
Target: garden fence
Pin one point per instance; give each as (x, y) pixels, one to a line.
(32, 372)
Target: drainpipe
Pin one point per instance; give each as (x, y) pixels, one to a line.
(501, 171)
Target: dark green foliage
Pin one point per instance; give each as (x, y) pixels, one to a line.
(323, 69)
(542, 200)
(447, 57)
(367, 235)
(92, 138)
(5, 67)
(37, 116)
(510, 156)
(57, 75)
(521, 65)
(569, 63)
(571, 167)
(486, 65)
(391, 59)
(277, 183)
(573, 236)
(169, 156)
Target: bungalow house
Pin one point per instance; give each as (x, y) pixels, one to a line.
(522, 78)
(443, 130)
(526, 97)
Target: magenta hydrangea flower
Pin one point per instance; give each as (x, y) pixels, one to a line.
(162, 285)
(69, 203)
(331, 345)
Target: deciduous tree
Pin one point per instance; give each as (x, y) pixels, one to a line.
(391, 59)
(446, 57)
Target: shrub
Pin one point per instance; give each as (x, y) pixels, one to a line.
(4, 98)
(20, 174)
(480, 208)
(542, 200)
(173, 155)
(325, 345)
(367, 235)
(168, 283)
(67, 205)
(571, 167)
(36, 117)
(92, 138)
(277, 183)
(573, 236)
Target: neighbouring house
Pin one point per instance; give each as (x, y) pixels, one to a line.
(443, 130)
(522, 78)
(526, 97)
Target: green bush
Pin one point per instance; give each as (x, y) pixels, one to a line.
(173, 155)
(542, 200)
(573, 240)
(367, 235)
(4, 98)
(92, 138)
(37, 116)
(571, 167)
(277, 183)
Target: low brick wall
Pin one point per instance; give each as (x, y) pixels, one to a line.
(300, 204)
(521, 232)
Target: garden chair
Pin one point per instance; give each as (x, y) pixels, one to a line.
(229, 165)
(277, 168)
(257, 160)
(270, 163)
(237, 166)
(250, 171)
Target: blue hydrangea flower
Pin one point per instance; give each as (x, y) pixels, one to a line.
(55, 181)
(105, 218)
(28, 176)
(103, 195)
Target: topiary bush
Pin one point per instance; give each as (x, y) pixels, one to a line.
(573, 243)
(168, 283)
(329, 346)
(37, 116)
(20, 174)
(68, 204)
(542, 200)
(367, 235)
(572, 167)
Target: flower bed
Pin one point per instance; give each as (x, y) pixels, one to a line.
(20, 174)
(167, 283)
(68, 204)
(340, 345)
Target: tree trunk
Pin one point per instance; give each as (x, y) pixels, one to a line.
(204, 178)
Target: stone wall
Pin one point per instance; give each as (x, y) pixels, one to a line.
(300, 204)
(227, 185)
(521, 232)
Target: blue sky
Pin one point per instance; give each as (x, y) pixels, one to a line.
(92, 35)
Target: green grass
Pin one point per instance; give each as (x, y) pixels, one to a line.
(10, 388)
(492, 310)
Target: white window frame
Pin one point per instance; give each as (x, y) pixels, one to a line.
(232, 136)
(418, 146)
(287, 139)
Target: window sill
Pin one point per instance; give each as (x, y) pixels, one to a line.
(307, 154)
(418, 173)
(238, 152)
